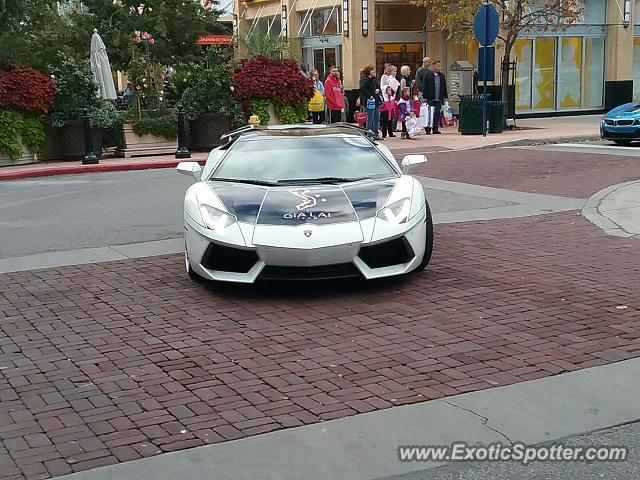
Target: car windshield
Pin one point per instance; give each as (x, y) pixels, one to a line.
(322, 158)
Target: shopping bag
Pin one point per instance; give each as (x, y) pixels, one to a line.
(427, 113)
(371, 103)
(412, 127)
(417, 106)
(361, 117)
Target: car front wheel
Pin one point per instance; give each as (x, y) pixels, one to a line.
(428, 246)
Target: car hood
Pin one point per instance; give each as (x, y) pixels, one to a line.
(301, 204)
(628, 110)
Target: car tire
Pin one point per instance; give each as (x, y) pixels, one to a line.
(428, 246)
(192, 274)
(622, 142)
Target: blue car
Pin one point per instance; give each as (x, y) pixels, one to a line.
(622, 124)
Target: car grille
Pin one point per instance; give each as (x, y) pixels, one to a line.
(621, 135)
(386, 254)
(625, 122)
(609, 122)
(322, 272)
(228, 259)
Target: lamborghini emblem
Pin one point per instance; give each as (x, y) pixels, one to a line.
(307, 233)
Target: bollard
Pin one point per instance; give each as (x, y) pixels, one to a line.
(183, 151)
(90, 158)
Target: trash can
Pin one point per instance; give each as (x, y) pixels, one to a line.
(497, 115)
(471, 114)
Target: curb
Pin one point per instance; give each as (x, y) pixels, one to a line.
(78, 169)
(526, 142)
(591, 211)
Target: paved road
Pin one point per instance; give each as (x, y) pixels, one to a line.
(626, 435)
(109, 209)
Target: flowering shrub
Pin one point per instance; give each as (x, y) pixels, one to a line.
(144, 73)
(279, 81)
(27, 89)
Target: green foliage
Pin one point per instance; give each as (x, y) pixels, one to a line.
(159, 123)
(292, 115)
(14, 126)
(209, 88)
(76, 90)
(262, 45)
(260, 107)
(104, 115)
(175, 24)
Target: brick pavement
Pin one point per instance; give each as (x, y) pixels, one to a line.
(111, 362)
(576, 175)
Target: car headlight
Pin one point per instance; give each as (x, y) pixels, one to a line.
(215, 219)
(397, 212)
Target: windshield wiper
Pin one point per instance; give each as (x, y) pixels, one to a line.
(322, 180)
(244, 180)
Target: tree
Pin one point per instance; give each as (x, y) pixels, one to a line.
(175, 25)
(517, 17)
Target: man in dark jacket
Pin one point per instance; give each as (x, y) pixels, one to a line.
(435, 92)
(422, 72)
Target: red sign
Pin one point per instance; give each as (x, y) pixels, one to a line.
(214, 40)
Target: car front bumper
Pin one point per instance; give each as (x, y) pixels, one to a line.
(214, 259)
(626, 132)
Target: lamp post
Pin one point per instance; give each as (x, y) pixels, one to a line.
(183, 151)
(90, 158)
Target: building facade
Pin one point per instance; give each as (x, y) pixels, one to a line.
(588, 67)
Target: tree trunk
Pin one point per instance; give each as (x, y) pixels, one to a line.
(508, 45)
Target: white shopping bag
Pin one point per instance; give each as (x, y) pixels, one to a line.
(427, 113)
(413, 128)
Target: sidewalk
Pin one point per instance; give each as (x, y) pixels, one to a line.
(529, 131)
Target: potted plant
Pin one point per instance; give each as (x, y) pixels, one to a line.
(25, 96)
(210, 106)
(77, 96)
(274, 90)
(149, 127)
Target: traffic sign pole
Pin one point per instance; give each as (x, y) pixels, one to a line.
(484, 61)
(486, 27)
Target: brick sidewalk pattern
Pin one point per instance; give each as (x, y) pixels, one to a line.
(112, 362)
(577, 175)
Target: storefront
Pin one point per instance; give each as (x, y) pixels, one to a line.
(321, 36)
(400, 36)
(636, 53)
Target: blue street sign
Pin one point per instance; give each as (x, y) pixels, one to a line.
(486, 24)
(490, 69)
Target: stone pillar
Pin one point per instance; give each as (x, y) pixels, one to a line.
(358, 50)
(618, 57)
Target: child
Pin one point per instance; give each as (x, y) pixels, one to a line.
(406, 110)
(388, 112)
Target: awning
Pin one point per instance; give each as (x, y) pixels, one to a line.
(214, 40)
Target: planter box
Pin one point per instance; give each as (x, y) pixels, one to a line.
(52, 149)
(206, 130)
(26, 158)
(72, 138)
(145, 145)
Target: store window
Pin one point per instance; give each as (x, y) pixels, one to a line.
(269, 26)
(325, 21)
(595, 12)
(556, 73)
(399, 54)
(400, 18)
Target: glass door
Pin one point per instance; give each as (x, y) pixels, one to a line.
(324, 58)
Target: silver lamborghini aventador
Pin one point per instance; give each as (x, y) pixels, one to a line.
(300, 202)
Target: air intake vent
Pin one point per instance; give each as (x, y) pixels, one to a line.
(228, 259)
(386, 254)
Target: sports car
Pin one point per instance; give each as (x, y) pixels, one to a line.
(622, 124)
(303, 202)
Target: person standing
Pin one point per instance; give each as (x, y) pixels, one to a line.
(317, 104)
(435, 92)
(388, 112)
(370, 98)
(334, 93)
(405, 111)
(405, 81)
(421, 73)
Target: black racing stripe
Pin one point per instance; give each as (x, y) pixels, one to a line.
(241, 200)
(368, 198)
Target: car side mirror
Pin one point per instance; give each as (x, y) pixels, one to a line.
(190, 168)
(410, 160)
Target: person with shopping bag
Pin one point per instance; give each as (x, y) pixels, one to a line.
(388, 112)
(407, 114)
(371, 98)
(317, 104)
(435, 92)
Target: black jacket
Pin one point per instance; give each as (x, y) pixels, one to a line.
(429, 88)
(368, 87)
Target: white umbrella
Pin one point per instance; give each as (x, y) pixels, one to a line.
(101, 68)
